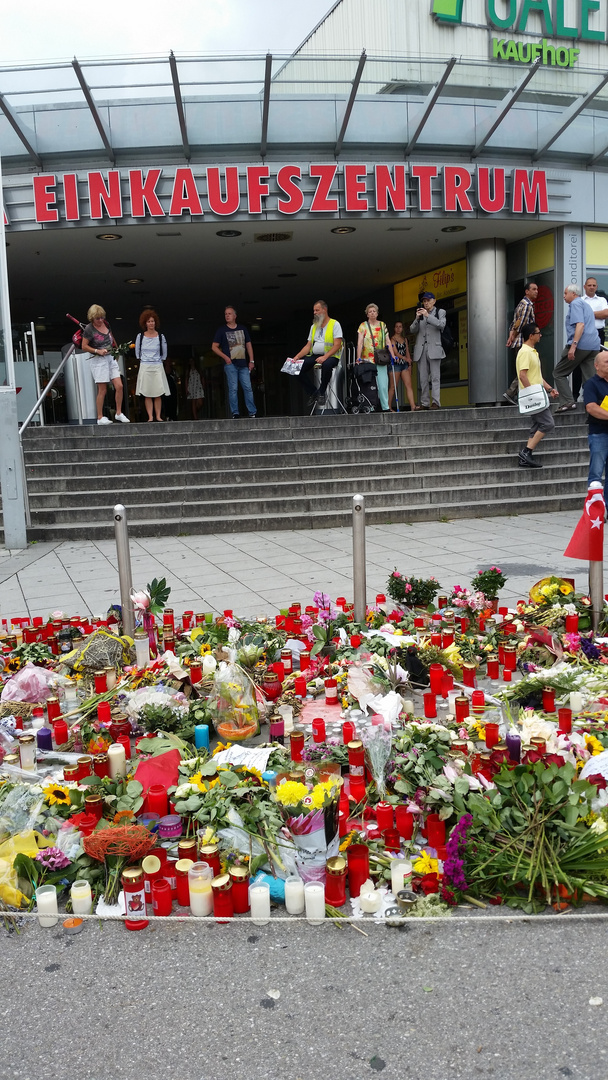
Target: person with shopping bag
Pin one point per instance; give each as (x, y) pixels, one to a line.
(532, 399)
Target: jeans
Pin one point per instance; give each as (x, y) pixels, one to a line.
(234, 376)
(598, 455)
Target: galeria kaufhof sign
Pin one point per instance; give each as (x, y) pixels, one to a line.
(229, 190)
(547, 20)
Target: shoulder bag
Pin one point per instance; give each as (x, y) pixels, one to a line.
(532, 399)
(382, 357)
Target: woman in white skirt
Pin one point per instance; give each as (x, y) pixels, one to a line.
(151, 351)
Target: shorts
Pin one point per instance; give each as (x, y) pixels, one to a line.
(542, 421)
(104, 368)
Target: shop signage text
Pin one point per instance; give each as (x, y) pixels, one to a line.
(326, 188)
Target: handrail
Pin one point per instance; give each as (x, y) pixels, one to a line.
(70, 352)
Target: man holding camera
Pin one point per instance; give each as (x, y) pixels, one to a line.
(428, 350)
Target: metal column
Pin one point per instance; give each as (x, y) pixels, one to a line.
(359, 583)
(125, 578)
(11, 472)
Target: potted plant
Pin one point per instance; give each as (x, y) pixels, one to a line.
(489, 582)
(412, 591)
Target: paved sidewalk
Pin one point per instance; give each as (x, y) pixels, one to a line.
(257, 573)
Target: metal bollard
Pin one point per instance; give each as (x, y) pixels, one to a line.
(596, 591)
(359, 583)
(125, 578)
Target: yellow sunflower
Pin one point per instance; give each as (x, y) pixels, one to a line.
(425, 865)
(56, 793)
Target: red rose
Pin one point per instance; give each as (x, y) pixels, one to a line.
(598, 780)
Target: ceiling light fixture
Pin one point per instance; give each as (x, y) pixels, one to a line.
(454, 228)
(125, 265)
(109, 236)
(287, 275)
(228, 232)
(133, 280)
(342, 230)
(308, 258)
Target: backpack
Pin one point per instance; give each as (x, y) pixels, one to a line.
(447, 341)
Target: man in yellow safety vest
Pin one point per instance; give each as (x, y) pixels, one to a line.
(324, 347)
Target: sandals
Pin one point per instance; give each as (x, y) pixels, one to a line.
(566, 408)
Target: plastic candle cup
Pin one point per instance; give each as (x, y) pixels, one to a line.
(182, 868)
(492, 667)
(401, 875)
(430, 706)
(404, 821)
(157, 801)
(392, 840)
(259, 902)
(564, 718)
(492, 736)
(576, 702)
(358, 867)
(161, 897)
(314, 900)
(46, 905)
(296, 745)
(318, 730)
(223, 907)
(201, 737)
(201, 893)
(408, 706)
(548, 699)
(435, 676)
(117, 760)
(468, 674)
(81, 897)
(461, 707)
(478, 700)
(286, 711)
(60, 732)
(435, 831)
(27, 752)
(384, 816)
(239, 876)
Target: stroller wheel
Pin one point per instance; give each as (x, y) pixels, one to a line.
(366, 409)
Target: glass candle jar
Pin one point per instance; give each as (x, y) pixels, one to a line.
(187, 849)
(81, 897)
(46, 905)
(182, 868)
(271, 685)
(93, 804)
(318, 729)
(27, 752)
(294, 895)
(314, 901)
(134, 897)
(259, 902)
(401, 875)
(358, 867)
(239, 877)
(210, 854)
(161, 897)
(199, 884)
(157, 800)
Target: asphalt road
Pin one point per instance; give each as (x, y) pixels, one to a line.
(425, 1002)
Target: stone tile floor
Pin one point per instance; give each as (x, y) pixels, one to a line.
(259, 572)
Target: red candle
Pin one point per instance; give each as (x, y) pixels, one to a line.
(53, 708)
(356, 759)
(331, 692)
(279, 670)
(103, 712)
(101, 765)
(447, 683)
(492, 736)
(101, 683)
(157, 801)
(564, 717)
(60, 732)
(510, 654)
(300, 686)
(482, 624)
(384, 816)
(304, 660)
(223, 907)
(468, 674)
(571, 624)
(134, 897)
(447, 639)
(358, 867)
(341, 602)
(125, 741)
(435, 831)
(380, 599)
(296, 744)
(287, 661)
(478, 700)
(430, 706)
(349, 732)
(85, 766)
(356, 788)
(335, 881)
(464, 623)
(461, 706)
(392, 840)
(435, 677)
(436, 640)
(318, 729)
(492, 667)
(404, 820)
(161, 897)
(506, 674)
(181, 881)
(419, 622)
(187, 618)
(501, 654)
(196, 673)
(548, 699)
(239, 877)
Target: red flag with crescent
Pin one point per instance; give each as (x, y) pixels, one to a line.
(587, 541)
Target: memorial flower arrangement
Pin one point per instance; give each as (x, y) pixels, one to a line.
(489, 582)
(412, 591)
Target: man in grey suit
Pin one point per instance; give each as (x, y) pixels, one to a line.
(428, 350)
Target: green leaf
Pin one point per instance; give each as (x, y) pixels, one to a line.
(192, 803)
(137, 805)
(571, 815)
(134, 788)
(228, 779)
(90, 781)
(461, 787)
(208, 769)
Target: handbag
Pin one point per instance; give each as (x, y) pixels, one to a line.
(382, 357)
(532, 399)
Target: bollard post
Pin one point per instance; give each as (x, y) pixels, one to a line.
(123, 554)
(359, 583)
(596, 591)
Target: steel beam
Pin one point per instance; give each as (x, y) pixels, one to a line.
(19, 132)
(429, 104)
(490, 126)
(266, 105)
(181, 112)
(350, 103)
(94, 111)
(569, 116)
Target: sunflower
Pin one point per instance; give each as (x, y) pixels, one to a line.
(12, 664)
(56, 793)
(249, 772)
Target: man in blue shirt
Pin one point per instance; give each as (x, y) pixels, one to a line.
(582, 348)
(595, 393)
(233, 344)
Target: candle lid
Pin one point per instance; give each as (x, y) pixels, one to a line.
(182, 866)
(26, 738)
(239, 873)
(221, 882)
(132, 875)
(356, 745)
(208, 849)
(11, 759)
(336, 865)
(151, 864)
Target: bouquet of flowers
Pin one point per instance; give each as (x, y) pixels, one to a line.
(412, 591)
(310, 811)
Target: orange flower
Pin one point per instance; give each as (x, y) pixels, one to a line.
(122, 815)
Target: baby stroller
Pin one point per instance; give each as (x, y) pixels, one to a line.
(363, 394)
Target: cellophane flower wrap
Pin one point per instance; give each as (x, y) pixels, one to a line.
(233, 703)
(311, 811)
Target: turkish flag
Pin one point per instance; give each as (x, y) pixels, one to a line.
(587, 540)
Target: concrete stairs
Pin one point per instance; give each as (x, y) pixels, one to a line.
(298, 472)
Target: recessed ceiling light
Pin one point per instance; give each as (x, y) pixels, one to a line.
(399, 228)
(454, 228)
(168, 234)
(343, 229)
(308, 258)
(117, 318)
(109, 236)
(125, 264)
(228, 232)
(134, 280)
(41, 316)
(190, 318)
(287, 275)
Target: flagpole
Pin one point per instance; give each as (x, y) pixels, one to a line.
(596, 591)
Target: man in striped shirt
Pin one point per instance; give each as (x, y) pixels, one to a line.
(523, 318)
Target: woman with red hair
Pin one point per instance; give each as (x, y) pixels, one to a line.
(151, 351)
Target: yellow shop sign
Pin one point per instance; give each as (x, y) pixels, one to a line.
(445, 281)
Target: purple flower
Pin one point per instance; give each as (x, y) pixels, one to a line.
(453, 867)
(52, 859)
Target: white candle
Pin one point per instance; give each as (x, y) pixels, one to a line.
(369, 898)
(117, 760)
(576, 701)
(314, 899)
(294, 895)
(408, 705)
(401, 875)
(82, 899)
(27, 753)
(46, 904)
(286, 711)
(259, 902)
(142, 649)
(110, 677)
(199, 885)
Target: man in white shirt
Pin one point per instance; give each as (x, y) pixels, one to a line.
(324, 347)
(599, 305)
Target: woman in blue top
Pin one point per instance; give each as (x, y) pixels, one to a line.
(151, 351)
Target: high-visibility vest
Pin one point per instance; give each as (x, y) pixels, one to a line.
(328, 339)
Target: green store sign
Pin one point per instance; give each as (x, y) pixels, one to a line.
(514, 15)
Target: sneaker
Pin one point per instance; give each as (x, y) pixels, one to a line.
(123, 419)
(527, 461)
(104, 420)
(313, 398)
(236, 416)
(510, 400)
(253, 415)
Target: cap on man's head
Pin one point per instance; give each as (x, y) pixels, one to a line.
(427, 296)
